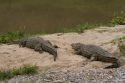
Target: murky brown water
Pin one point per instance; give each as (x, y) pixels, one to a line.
(50, 15)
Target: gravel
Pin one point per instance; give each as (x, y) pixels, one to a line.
(74, 76)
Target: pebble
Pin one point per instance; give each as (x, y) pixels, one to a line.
(74, 76)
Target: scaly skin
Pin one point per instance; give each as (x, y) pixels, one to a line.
(121, 45)
(39, 44)
(96, 53)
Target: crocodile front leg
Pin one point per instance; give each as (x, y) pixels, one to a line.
(38, 48)
(51, 44)
(78, 52)
(48, 42)
(93, 58)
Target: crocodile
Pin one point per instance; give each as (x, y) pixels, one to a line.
(39, 44)
(121, 46)
(96, 53)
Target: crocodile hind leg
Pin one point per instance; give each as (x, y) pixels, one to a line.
(38, 48)
(51, 44)
(48, 42)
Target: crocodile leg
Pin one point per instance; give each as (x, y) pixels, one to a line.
(38, 48)
(51, 44)
(93, 58)
(55, 57)
(55, 46)
(78, 52)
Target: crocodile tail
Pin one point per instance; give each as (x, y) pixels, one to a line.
(114, 65)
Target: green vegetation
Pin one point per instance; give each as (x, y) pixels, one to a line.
(79, 28)
(25, 70)
(11, 36)
(121, 38)
(118, 39)
(119, 20)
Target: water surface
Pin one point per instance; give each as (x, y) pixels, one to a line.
(51, 15)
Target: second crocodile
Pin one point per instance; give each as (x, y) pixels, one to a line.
(96, 53)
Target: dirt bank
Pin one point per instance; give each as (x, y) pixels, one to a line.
(12, 56)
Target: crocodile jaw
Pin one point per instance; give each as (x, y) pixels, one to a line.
(76, 46)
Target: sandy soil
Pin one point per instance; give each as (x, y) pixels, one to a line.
(12, 56)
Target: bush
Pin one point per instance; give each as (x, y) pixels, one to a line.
(119, 19)
(11, 36)
(25, 70)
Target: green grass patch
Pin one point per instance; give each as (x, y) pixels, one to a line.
(11, 36)
(121, 38)
(119, 20)
(79, 28)
(25, 70)
(118, 39)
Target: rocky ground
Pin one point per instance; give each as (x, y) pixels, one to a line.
(69, 68)
(75, 76)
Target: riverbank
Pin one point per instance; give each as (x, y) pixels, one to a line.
(13, 56)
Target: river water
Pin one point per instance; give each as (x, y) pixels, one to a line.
(38, 16)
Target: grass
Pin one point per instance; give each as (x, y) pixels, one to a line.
(11, 36)
(118, 39)
(25, 70)
(119, 20)
(121, 38)
(79, 28)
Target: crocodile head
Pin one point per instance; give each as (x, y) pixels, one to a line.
(76, 46)
(121, 46)
(22, 42)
